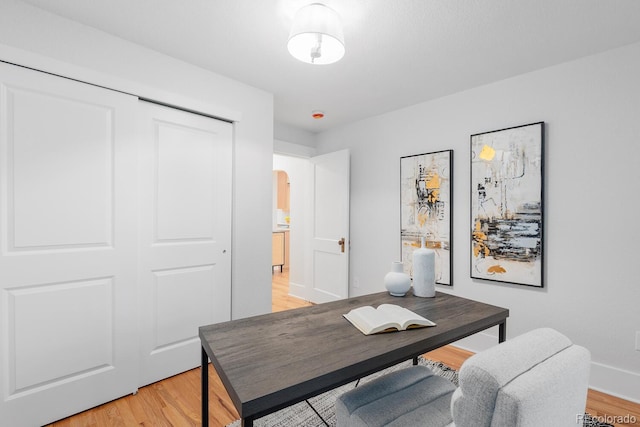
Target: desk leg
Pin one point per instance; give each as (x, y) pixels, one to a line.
(502, 332)
(247, 422)
(204, 380)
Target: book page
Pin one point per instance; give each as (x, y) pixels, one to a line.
(370, 321)
(404, 317)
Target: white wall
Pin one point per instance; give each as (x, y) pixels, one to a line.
(592, 111)
(32, 37)
(283, 132)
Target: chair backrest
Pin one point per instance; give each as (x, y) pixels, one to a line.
(536, 379)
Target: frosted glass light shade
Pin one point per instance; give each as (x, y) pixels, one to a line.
(316, 35)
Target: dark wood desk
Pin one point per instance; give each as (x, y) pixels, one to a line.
(275, 360)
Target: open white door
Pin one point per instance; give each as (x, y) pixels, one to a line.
(329, 251)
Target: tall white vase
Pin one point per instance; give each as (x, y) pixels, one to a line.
(397, 281)
(424, 271)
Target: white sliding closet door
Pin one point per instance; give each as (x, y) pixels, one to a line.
(68, 236)
(185, 253)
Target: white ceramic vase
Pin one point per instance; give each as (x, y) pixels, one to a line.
(424, 272)
(397, 281)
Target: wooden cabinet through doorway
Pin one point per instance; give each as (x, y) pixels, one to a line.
(283, 191)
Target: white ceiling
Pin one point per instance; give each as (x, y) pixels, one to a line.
(398, 52)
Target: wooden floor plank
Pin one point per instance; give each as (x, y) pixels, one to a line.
(175, 401)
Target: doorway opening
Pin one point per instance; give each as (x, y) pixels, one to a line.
(318, 224)
(290, 188)
(281, 240)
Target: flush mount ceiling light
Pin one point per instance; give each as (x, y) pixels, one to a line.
(316, 35)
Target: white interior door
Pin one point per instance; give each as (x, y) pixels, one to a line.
(68, 211)
(185, 245)
(329, 252)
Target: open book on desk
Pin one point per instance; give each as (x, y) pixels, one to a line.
(385, 318)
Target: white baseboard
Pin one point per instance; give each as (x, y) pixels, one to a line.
(297, 290)
(480, 341)
(607, 379)
(614, 381)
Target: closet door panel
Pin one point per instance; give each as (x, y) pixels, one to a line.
(185, 301)
(68, 244)
(185, 180)
(52, 204)
(43, 311)
(185, 272)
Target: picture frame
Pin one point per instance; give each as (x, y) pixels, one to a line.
(426, 210)
(507, 205)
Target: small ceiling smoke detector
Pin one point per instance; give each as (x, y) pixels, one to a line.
(317, 114)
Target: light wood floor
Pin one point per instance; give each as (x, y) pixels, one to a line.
(280, 298)
(175, 401)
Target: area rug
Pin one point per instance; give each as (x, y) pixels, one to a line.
(319, 412)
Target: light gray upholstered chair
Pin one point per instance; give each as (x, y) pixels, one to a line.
(536, 379)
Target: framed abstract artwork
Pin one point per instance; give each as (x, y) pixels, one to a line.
(507, 209)
(426, 209)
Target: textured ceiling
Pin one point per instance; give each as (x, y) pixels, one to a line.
(398, 52)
